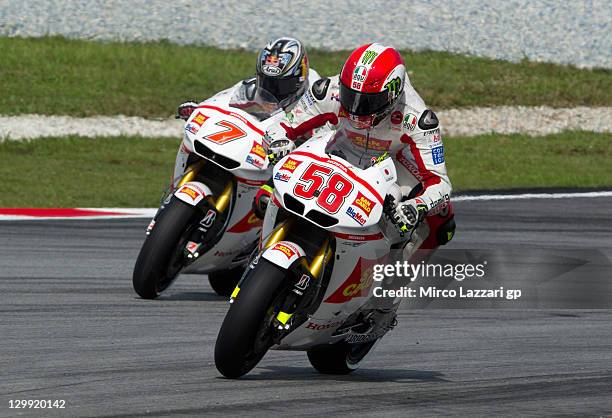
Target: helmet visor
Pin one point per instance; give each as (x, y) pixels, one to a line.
(363, 104)
(281, 88)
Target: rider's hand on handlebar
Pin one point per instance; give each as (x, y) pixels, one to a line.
(185, 110)
(406, 215)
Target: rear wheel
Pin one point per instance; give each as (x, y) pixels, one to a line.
(245, 335)
(161, 256)
(223, 282)
(339, 358)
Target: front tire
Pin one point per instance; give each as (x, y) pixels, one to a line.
(244, 337)
(223, 282)
(339, 358)
(160, 259)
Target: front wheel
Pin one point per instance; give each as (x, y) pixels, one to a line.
(161, 255)
(339, 358)
(224, 281)
(245, 335)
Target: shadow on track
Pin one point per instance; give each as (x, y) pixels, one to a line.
(292, 373)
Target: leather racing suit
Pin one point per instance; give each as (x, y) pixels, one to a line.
(411, 134)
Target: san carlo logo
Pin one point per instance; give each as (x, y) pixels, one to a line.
(190, 192)
(290, 165)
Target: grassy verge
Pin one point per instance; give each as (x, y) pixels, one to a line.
(59, 76)
(132, 172)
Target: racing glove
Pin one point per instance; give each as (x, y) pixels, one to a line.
(261, 200)
(185, 110)
(279, 148)
(406, 215)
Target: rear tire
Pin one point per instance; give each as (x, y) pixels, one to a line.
(159, 261)
(339, 358)
(244, 336)
(223, 282)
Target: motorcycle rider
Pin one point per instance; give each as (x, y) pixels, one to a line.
(282, 70)
(374, 102)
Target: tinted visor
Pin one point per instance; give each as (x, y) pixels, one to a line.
(280, 88)
(363, 104)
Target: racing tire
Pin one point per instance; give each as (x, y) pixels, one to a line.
(160, 258)
(223, 282)
(244, 337)
(339, 358)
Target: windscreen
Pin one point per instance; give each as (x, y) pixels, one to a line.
(358, 149)
(257, 102)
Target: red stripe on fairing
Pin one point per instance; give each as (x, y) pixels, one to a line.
(428, 178)
(56, 212)
(251, 182)
(348, 172)
(234, 114)
(312, 123)
(355, 237)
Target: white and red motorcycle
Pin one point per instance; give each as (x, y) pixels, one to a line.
(205, 223)
(309, 287)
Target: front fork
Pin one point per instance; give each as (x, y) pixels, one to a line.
(303, 273)
(201, 238)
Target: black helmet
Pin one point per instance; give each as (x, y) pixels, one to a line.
(282, 69)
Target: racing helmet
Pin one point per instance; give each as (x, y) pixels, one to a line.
(282, 70)
(371, 81)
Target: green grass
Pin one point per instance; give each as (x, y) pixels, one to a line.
(133, 172)
(72, 77)
(569, 159)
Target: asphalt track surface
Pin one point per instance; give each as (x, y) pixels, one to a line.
(71, 328)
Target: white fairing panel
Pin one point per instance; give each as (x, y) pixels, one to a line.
(352, 196)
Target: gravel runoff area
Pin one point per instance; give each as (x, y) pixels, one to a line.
(456, 122)
(575, 32)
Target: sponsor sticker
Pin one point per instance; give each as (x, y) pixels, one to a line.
(396, 117)
(410, 121)
(283, 248)
(372, 143)
(320, 327)
(357, 284)
(258, 150)
(368, 57)
(199, 119)
(360, 73)
(356, 216)
(437, 154)
(413, 169)
(190, 127)
(250, 221)
(303, 283)
(290, 165)
(282, 176)
(192, 247)
(364, 203)
(192, 193)
(432, 132)
(254, 161)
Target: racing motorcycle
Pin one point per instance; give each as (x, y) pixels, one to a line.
(309, 285)
(205, 223)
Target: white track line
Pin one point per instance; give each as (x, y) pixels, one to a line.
(150, 212)
(531, 196)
